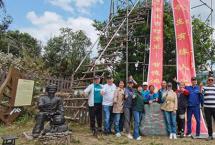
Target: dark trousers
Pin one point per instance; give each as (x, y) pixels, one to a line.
(180, 118)
(127, 119)
(95, 113)
(194, 110)
(180, 123)
(121, 122)
(41, 117)
(209, 113)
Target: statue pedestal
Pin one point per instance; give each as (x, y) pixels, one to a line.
(56, 138)
(63, 138)
(153, 121)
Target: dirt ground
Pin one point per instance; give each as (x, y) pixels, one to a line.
(82, 136)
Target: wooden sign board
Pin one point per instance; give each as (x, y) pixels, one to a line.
(24, 92)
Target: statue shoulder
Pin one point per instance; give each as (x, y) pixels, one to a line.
(43, 97)
(58, 98)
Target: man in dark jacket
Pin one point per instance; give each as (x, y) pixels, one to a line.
(195, 99)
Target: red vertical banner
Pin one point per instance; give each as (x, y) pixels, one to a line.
(184, 48)
(155, 69)
(184, 43)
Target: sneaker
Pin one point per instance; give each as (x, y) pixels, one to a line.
(94, 133)
(174, 136)
(170, 136)
(139, 138)
(182, 135)
(189, 135)
(105, 132)
(118, 135)
(209, 138)
(130, 136)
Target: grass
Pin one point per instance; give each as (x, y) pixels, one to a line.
(81, 135)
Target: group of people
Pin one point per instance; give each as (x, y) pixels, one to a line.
(118, 105)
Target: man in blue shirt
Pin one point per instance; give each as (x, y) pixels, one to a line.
(195, 99)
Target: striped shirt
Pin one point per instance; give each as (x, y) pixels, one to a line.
(209, 96)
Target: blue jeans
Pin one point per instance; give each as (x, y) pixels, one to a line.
(170, 121)
(137, 119)
(196, 111)
(117, 122)
(108, 118)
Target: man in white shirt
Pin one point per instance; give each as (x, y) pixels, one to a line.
(108, 95)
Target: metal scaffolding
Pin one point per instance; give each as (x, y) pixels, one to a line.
(210, 15)
(114, 40)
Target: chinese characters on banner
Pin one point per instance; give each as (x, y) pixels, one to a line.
(184, 48)
(184, 43)
(155, 70)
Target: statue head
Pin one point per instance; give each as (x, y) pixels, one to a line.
(51, 89)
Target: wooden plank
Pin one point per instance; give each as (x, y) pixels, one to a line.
(75, 107)
(74, 99)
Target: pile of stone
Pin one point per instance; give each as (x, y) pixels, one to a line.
(63, 138)
(56, 138)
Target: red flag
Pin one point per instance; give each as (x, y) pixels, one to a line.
(155, 69)
(184, 48)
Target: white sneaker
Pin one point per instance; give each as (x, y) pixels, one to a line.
(118, 135)
(174, 136)
(189, 135)
(130, 136)
(139, 138)
(170, 136)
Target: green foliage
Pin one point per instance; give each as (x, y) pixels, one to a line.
(64, 53)
(19, 44)
(169, 58)
(32, 67)
(6, 20)
(23, 119)
(8, 59)
(203, 45)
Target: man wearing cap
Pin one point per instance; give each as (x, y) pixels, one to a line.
(129, 95)
(194, 101)
(209, 105)
(95, 104)
(145, 89)
(108, 98)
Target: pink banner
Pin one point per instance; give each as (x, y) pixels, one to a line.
(184, 47)
(184, 44)
(155, 69)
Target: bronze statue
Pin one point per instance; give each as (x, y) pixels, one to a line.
(50, 109)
